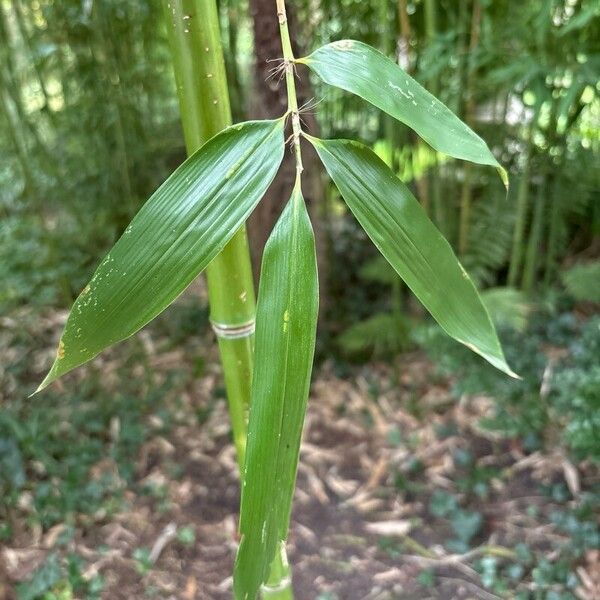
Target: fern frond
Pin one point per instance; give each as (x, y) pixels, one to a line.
(382, 334)
(583, 281)
(508, 307)
(490, 238)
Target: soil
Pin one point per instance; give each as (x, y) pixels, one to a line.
(356, 533)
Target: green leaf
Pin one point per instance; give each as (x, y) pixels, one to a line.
(581, 281)
(411, 243)
(364, 71)
(508, 307)
(286, 324)
(179, 230)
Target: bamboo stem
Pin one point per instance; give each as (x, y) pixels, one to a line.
(467, 190)
(388, 122)
(288, 61)
(439, 211)
(405, 34)
(535, 239)
(193, 30)
(521, 220)
(25, 37)
(465, 211)
(552, 241)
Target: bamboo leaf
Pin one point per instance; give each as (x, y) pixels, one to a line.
(411, 243)
(364, 71)
(285, 338)
(179, 230)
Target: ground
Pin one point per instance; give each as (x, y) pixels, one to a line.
(401, 494)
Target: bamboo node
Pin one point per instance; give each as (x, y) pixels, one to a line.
(233, 332)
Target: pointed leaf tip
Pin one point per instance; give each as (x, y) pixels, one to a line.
(364, 71)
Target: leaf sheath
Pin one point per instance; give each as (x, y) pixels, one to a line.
(285, 338)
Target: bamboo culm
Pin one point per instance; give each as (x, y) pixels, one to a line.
(516, 258)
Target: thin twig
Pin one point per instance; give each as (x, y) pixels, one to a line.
(168, 534)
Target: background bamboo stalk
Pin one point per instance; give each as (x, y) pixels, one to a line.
(535, 238)
(470, 108)
(521, 219)
(553, 228)
(439, 211)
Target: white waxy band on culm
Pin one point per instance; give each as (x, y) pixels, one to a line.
(233, 332)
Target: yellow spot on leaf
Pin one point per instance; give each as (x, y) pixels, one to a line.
(343, 44)
(60, 353)
(472, 347)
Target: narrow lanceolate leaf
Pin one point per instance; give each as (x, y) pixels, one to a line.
(401, 230)
(286, 323)
(364, 71)
(179, 230)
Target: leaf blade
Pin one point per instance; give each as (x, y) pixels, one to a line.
(401, 230)
(362, 70)
(178, 231)
(285, 337)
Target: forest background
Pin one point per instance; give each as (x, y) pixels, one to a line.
(433, 474)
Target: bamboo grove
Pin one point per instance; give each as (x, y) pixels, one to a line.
(196, 220)
(101, 72)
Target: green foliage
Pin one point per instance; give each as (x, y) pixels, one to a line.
(38, 270)
(380, 335)
(575, 393)
(66, 440)
(466, 524)
(378, 270)
(490, 236)
(43, 580)
(60, 579)
(83, 85)
(583, 282)
(442, 503)
(186, 535)
(143, 564)
(508, 308)
(568, 407)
